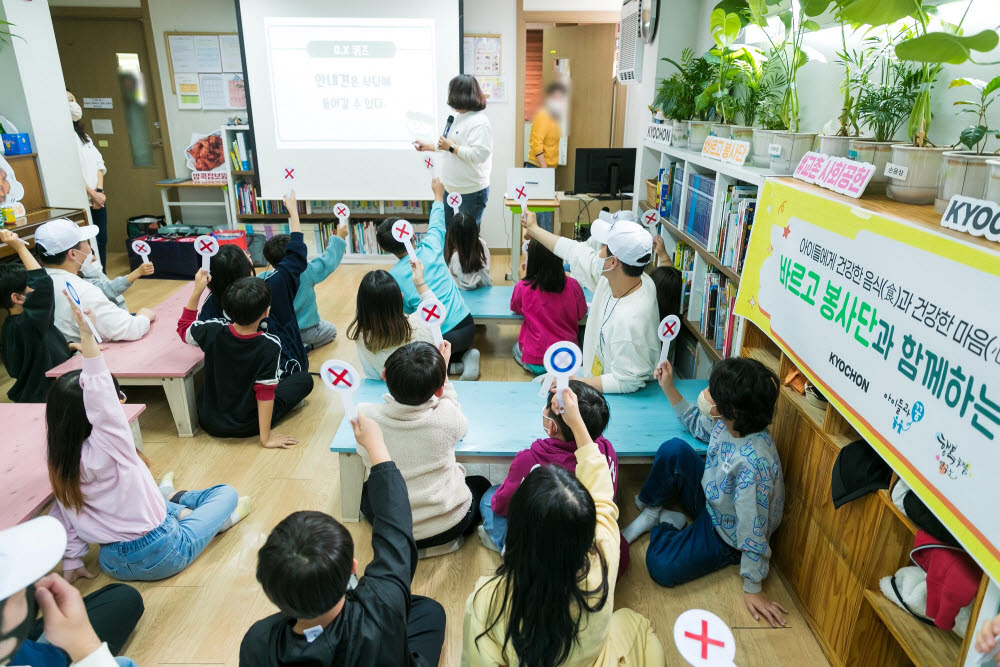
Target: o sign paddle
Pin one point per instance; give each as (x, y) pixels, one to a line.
(562, 361)
(341, 377)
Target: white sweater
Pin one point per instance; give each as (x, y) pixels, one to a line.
(468, 168)
(421, 440)
(372, 363)
(111, 322)
(621, 333)
(470, 281)
(91, 162)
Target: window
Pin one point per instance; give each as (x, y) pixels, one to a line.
(134, 101)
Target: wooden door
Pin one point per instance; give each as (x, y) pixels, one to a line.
(106, 58)
(591, 51)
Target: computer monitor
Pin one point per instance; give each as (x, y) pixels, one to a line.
(604, 171)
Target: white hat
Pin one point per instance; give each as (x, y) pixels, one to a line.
(61, 234)
(630, 242)
(28, 551)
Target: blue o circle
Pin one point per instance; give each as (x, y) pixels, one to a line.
(72, 293)
(556, 353)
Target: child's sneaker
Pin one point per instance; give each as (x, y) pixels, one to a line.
(441, 549)
(484, 537)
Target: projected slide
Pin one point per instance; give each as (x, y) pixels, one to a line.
(351, 83)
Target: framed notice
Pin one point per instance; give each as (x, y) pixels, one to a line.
(896, 323)
(196, 53)
(481, 55)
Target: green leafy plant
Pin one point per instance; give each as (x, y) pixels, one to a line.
(677, 95)
(975, 137)
(762, 82)
(932, 49)
(769, 115)
(725, 27)
(5, 34)
(858, 64)
(885, 102)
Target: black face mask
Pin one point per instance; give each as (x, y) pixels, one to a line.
(21, 630)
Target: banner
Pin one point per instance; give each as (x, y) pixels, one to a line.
(898, 324)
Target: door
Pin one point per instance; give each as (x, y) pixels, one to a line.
(105, 60)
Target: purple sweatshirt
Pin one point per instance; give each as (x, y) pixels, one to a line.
(548, 451)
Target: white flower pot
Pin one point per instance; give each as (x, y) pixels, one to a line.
(793, 146)
(993, 181)
(700, 130)
(923, 170)
(761, 140)
(744, 133)
(962, 173)
(679, 134)
(835, 146)
(721, 130)
(876, 153)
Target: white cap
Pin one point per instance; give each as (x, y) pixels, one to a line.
(28, 552)
(601, 228)
(630, 242)
(61, 234)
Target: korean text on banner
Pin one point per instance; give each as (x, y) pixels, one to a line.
(889, 319)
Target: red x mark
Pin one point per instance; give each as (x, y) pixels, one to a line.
(341, 212)
(650, 218)
(431, 313)
(453, 200)
(402, 230)
(704, 639)
(668, 328)
(289, 173)
(140, 248)
(207, 246)
(428, 163)
(521, 194)
(340, 377)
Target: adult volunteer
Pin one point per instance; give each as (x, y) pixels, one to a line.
(467, 142)
(93, 168)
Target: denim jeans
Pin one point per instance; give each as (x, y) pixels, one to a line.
(175, 543)
(472, 204)
(678, 556)
(494, 524)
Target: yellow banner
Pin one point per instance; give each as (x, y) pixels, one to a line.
(898, 324)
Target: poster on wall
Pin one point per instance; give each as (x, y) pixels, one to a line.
(893, 322)
(188, 91)
(481, 55)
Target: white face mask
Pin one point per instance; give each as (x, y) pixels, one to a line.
(75, 112)
(704, 407)
(556, 107)
(599, 263)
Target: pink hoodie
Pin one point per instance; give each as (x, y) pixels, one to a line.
(547, 451)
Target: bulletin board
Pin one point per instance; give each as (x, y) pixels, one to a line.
(482, 57)
(206, 70)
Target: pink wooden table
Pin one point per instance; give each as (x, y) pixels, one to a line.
(160, 358)
(24, 473)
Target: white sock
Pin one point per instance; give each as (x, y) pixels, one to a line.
(675, 519)
(647, 518)
(470, 363)
(240, 513)
(639, 504)
(166, 485)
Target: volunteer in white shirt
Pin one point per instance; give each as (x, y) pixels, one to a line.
(93, 168)
(620, 347)
(468, 149)
(63, 247)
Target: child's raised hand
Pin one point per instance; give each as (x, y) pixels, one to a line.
(986, 640)
(202, 279)
(664, 374)
(529, 223)
(369, 435)
(10, 238)
(445, 349)
(290, 202)
(342, 230)
(80, 316)
(147, 268)
(417, 268)
(438, 188)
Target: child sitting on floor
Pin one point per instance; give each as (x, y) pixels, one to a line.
(304, 568)
(552, 600)
(468, 256)
(380, 326)
(551, 303)
(315, 331)
(106, 495)
(736, 496)
(93, 273)
(422, 422)
(245, 392)
(558, 448)
(30, 343)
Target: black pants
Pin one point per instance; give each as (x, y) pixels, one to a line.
(100, 218)
(425, 630)
(114, 612)
(291, 390)
(477, 484)
(460, 336)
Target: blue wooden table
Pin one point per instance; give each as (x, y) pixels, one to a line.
(493, 303)
(505, 417)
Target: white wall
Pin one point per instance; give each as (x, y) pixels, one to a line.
(43, 91)
(570, 5)
(12, 103)
(493, 16)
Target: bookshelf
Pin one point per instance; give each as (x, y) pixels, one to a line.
(268, 217)
(705, 240)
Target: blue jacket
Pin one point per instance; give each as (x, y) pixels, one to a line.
(316, 272)
(430, 251)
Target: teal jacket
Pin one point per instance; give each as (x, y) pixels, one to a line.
(317, 271)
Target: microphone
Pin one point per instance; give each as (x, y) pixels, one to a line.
(447, 126)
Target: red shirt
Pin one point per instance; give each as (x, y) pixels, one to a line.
(549, 317)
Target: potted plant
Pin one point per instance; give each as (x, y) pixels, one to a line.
(966, 172)
(931, 49)
(677, 95)
(769, 117)
(760, 81)
(725, 27)
(858, 65)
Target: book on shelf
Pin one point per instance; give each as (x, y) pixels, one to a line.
(677, 183)
(698, 216)
(665, 190)
(241, 154)
(362, 241)
(684, 261)
(724, 240)
(718, 318)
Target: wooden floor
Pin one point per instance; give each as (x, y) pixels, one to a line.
(199, 616)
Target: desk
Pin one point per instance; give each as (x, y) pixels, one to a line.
(488, 304)
(640, 422)
(515, 226)
(222, 187)
(25, 227)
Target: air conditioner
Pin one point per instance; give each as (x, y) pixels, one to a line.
(630, 43)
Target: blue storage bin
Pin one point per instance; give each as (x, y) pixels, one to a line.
(16, 144)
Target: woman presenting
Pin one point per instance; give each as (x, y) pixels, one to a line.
(93, 168)
(469, 144)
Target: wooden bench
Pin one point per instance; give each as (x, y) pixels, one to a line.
(493, 303)
(24, 473)
(640, 423)
(160, 358)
